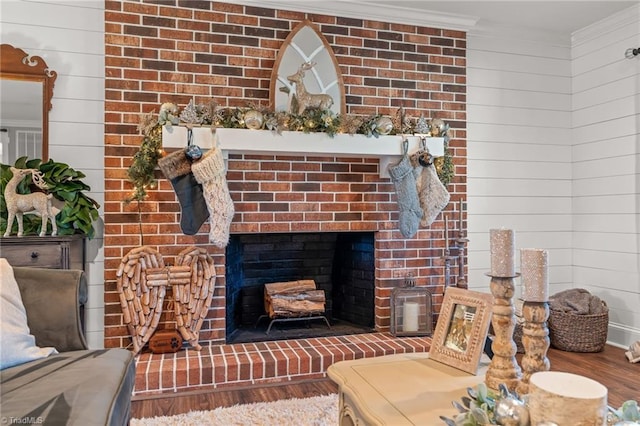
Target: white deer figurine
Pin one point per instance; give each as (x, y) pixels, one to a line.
(304, 98)
(17, 204)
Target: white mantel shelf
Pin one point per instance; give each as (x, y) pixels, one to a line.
(265, 142)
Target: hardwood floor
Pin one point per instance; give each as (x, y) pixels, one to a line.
(610, 367)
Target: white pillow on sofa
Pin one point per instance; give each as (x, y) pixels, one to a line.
(18, 344)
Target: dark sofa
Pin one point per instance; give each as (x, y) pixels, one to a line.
(77, 386)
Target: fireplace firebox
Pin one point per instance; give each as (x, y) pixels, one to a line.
(341, 264)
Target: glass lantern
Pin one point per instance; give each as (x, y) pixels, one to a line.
(411, 312)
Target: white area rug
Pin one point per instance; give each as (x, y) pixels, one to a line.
(314, 411)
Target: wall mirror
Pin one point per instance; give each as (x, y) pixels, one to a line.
(306, 45)
(26, 90)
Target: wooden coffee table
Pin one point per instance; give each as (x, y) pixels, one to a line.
(403, 389)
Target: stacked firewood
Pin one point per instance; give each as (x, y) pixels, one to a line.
(293, 299)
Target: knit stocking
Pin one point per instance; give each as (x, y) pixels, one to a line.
(408, 205)
(433, 195)
(177, 168)
(210, 172)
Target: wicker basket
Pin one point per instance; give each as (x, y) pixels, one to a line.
(578, 333)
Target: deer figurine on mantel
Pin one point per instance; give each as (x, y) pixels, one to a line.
(305, 99)
(37, 202)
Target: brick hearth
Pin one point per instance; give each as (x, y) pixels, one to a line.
(218, 366)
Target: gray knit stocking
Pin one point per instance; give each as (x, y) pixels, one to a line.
(408, 205)
(210, 172)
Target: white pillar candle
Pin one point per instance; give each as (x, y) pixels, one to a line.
(534, 268)
(410, 316)
(503, 262)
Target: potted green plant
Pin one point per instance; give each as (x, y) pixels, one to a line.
(76, 211)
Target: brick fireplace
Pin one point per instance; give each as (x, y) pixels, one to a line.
(165, 52)
(279, 198)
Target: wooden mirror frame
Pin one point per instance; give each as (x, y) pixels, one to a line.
(16, 64)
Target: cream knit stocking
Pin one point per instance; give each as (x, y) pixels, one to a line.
(210, 172)
(432, 193)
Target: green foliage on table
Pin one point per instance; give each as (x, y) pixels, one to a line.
(483, 407)
(476, 409)
(628, 412)
(77, 210)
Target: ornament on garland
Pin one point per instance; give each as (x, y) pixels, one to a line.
(168, 114)
(190, 116)
(253, 119)
(422, 126)
(384, 125)
(438, 128)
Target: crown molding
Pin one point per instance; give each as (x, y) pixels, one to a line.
(363, 10)
(513, 32)
(629, 16)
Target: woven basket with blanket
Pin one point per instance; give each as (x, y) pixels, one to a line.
(578, 321)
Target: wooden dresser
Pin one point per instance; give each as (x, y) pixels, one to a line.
(60, 252)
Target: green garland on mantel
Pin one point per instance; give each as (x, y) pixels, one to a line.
(141, 171)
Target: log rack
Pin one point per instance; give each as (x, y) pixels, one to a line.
(293, 301)
(288, 319)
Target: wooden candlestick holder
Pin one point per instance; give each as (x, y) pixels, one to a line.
(535, 340)
(504, 368)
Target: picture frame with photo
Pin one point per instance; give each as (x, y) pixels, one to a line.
(462, 328)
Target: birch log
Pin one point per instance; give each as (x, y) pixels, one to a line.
(293, 299)
(566, 399)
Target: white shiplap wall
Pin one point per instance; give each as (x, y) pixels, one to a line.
(69, 36)
(519, 147)
(554, 153)
(606, 159)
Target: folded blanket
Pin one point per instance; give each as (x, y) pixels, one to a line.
(578, 301)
